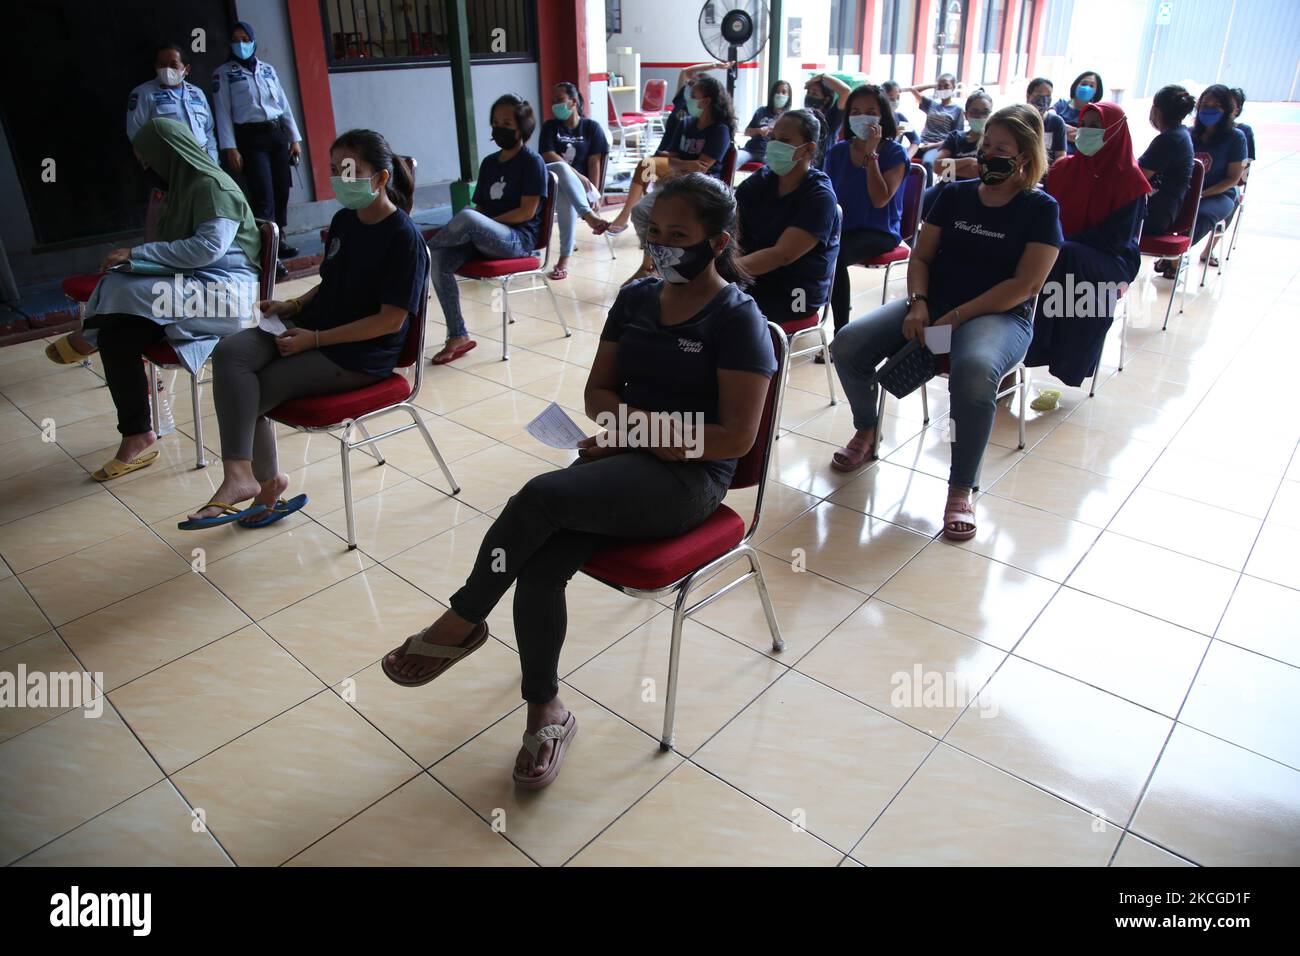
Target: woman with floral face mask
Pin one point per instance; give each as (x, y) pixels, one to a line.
(689, 344)
(982, 255)
(1102, 195)
(1085, 89)
(788, 223)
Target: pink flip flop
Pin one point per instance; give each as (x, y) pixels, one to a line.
(557, 274)
(562, 734)
(449, 654)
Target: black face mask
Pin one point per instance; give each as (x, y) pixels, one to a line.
(814, 102)
(678, 264)
(504, 136)
(995, 169)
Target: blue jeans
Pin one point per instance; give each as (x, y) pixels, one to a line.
(984, 349)
(469, 235)
(570, 203)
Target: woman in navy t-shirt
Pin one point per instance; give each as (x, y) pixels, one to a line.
(789, 229)
(867, 170)
(576, 150)
(956, 157)
(1215, 132)
(503, 222)
(981, 257)
(762, 122)
(1039, 95)
(1085, 89)
(1167, 163)
(690, 349)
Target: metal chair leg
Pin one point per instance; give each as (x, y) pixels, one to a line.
(345, 446)
(674, 663)
(925, 406)
(1187, 272)
(371, 448)
(778, 642)
(884, 286)
(880, 423)
(826, 357)
(609, 241)
(505, 323)
(155, 401)
(555, 304)
(200, 459)
(433, 447)
(1022, 379)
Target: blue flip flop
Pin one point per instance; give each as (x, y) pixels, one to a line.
(228, 514)
(281, 509)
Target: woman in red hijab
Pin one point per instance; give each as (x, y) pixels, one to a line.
(1102, 196)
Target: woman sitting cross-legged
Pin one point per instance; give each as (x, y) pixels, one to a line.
(689, 344)
(206, 233)
(504, 222)
(980, 258)
(575, 149)
(344, 334)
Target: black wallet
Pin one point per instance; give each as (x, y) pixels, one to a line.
(907, 369)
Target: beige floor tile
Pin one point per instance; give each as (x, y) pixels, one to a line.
(805, 463)
(160, 492)
(1234, 485)
(1135, 851)
(781, 505)
(1102, 452)
(204, 547)
(848, 547)
(987, 600)
(27, 454)
(801, 749)
(399, 517)
(44, 488)
(420, 824)
(1261, 617)
(101, 575)
(1028, 538)
(322, 482)
(1170, 586)
(22, 618)
(446, 389)
(341, 630)
(900, 495)
(1062, 490)
(1146, 423)
(958, 811)
(834, 426)
(1273, 557)
(504, 415)
(37, 539)
(69, 409)
(1089, 747)
(301, 776)
(491, 477)
(194, 705)
(440, 565)
(285, 569)
(901, 664)
(1219, 805)
(718, 678)
(608, 767)
(1189, 527)
(1140, 658)
(64, 685)
(72, 768)
(14, 425)
(1246, 699)
(151, 628)
(694, 819)
(930, 453)
(153, 828)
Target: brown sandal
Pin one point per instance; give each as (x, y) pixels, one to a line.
(449, 653)
(852, 457)
(958, 512)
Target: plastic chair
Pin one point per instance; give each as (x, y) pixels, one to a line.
(913, 187)
(1176, 243)
(654, 96)
(674, 566)
(349, 411)
(504, 271)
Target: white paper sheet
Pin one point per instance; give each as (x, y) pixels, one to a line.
(938, 339)
(554, 427)
(272, 324)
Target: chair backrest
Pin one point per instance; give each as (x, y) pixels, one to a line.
(1186, 217)
(548, 216)
(410, 200)
(413, 347)
(653, 96)
(729, 165)
(752, 468)
(913, 194)
(270, 234)
(615, 118)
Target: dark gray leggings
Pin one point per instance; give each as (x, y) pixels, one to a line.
(249, 378)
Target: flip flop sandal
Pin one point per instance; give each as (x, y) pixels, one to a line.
(958, 512)
(61, 352)
(228, 514)
(562, 734)
(281, 509)
(450, 653)
(1214, 262)
(615, 230)
(557, 274)
(116, 469)
(853, 458)
(450, 354)
(1046, 401)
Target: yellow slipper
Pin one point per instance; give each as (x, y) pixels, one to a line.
(61, 352)
(1046, 401)
(116, 469)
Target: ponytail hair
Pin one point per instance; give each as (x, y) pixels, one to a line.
(377, 154)
(715, 206)
(575, 94)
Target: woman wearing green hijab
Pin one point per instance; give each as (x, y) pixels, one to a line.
(208, 242)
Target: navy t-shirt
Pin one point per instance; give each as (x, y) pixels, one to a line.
(1250, 140)
(958, 145)
(981, 245)
(1169, 157)
(940, 120)
(911, 135)
(851, 189)
(366, 267)
(765, 215)
(574, 144)
(674, 368)
(1054, 133)
(501, 187)
(763, 116)
(1223, 151)
(693, 142)
(1069, 116)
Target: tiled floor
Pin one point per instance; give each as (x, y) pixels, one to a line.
(1107, 674)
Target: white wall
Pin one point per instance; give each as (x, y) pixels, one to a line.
(597, 62)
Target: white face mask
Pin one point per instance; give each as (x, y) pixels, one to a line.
(779, 100)
(946, 95)
(170, 77)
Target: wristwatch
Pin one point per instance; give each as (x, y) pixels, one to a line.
(915, 297)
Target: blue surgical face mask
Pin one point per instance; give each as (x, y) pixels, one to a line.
(780, 157)
(695, 107)
(977, 123)
(861, 123)
(779, 100)
(1209, 117)
(1083, 93)
(562, 111)
(353, 193)
(243, 49)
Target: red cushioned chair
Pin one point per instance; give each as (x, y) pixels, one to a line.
(654, 96)
(625, 125)
(163, 356)
(349, 411)
(504, 271)
(1176, 243)
(653, 569)
(1221, 227)
(815, 322)
(1241, 206)
(729, 166)
(913, 187)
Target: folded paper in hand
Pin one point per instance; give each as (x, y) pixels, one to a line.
(554, 427)
(938, 339)
(271, 324)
